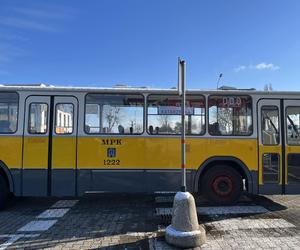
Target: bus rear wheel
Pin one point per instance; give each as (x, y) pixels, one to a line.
(3, 192)
(222, 185)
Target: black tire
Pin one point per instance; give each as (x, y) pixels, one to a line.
(222, 185)
(3, 192)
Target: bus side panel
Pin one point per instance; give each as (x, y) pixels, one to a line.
(63, 166)
(11, 156)
(202, 149)
(111, 164)
(35, 166)
(131, 164)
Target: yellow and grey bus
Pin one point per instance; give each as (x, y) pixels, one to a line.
(63, 141)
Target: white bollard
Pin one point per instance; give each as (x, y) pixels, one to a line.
(185, 230)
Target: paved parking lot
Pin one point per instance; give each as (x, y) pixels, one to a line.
(138, 222)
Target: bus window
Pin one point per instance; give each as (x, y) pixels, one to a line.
(38, 115)
(230, 115)
(164, 115)
(270, 125)
(293, 125)
(8, 112)
(64, 118)
(271, 165)
(114, 114)
(92, 118)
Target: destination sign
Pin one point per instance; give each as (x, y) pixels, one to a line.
(174, 110)
(232, 102)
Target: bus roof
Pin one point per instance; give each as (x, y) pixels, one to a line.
(126, 89)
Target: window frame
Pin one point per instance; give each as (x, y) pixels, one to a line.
(55, 119)
(234, 95)
(114, 134)
(279, 168)
(18, 111)
(288, 175)
(174, 95)
(279, 125)
(286, 125)
(28, 122)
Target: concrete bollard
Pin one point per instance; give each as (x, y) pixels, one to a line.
(185, 230)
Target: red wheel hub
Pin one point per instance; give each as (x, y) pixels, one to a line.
(222, 185)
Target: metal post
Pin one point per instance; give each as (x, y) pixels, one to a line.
(183, 155)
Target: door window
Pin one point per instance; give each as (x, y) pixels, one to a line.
(271, 168)
(38, 118)
(292, 128)
(64, 118)
(270, 125)
(294, 168)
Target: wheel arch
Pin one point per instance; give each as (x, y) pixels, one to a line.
(234, 162)
(5, 172)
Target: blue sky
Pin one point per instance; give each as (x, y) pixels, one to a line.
(137, 42)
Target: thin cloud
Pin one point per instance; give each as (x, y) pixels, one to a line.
(27, 24)
(259, 66)
(9, 52)
(18, 20)
(268, 66)
(43, 18)
(12, 37)
(49, 13)
(240, 68)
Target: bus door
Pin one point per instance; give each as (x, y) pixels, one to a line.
(292, 146)
(271, 174)
(50, 145)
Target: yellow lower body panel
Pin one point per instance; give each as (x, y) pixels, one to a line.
(11, 151)
(160, 153)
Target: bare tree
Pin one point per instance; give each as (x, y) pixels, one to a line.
(136, 126)
(164, 121)
(225, 119)
(112, 117)
(268, 87)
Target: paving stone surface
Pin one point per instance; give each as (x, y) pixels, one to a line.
(131, 222)
(106, 221)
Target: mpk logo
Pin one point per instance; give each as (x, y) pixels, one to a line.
(111, 152)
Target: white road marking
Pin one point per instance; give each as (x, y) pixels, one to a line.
(170, 199)
(37, 225)
(53, 213)
(162, 199)
(23, 235)
(44, 225)
(64, 204)
(60, 208)
(13, 238)
(242, 223)
(232, 210)
(139, 234)
(165, 192)
(290, 242)
(10, 241)
(220, 210)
